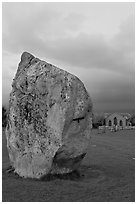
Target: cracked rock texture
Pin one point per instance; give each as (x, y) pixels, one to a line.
(49, 120)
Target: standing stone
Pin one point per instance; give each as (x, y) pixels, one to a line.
(49, 120)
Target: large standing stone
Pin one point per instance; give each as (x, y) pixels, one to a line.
(49, 121)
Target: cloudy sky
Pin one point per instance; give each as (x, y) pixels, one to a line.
(94, 41)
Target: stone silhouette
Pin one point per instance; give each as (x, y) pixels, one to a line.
(49, 120)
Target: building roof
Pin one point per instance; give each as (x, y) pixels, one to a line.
(125, 115)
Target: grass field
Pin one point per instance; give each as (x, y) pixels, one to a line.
(107, 175)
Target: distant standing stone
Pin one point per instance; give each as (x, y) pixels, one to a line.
(49, 121)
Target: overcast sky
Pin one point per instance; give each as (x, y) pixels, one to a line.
(94, 41)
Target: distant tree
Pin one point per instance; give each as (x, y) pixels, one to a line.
(132, 120)
(98, 120)
(4, 116)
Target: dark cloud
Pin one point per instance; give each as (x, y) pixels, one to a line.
(34, 30)
(89, 51)
(106, 65)
(118, 95)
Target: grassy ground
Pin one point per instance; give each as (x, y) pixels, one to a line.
(107, 175)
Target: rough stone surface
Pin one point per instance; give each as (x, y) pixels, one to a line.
(49, 120)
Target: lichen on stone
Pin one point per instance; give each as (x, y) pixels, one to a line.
(49, 121)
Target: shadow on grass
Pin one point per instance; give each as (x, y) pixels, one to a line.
(84, 172)
(75, 175)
